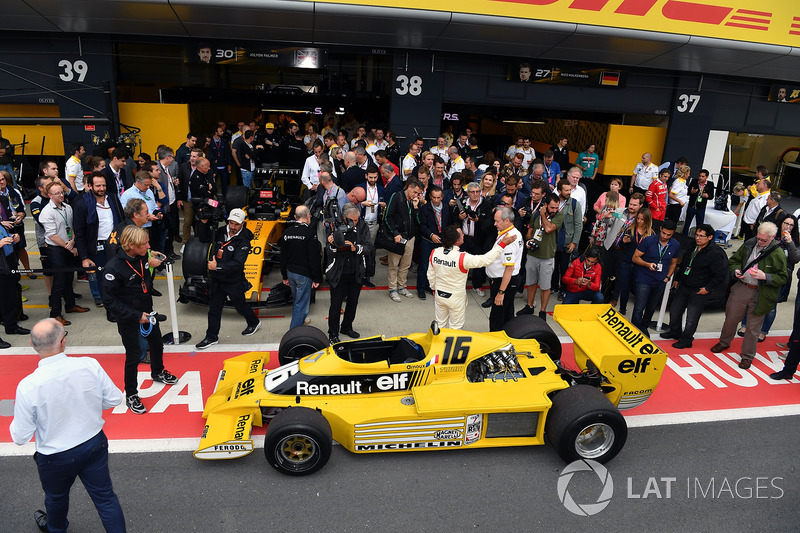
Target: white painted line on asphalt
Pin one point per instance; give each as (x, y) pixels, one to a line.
(181, 348)
(722, 415)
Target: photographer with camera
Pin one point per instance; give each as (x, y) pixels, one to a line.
(207, 211)
(541, 244)
(128, 299)
(228, 255)
(476, 222)
(348, 248)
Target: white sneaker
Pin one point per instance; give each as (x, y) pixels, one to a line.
(394, 296)
(307, 321)
(480, 292)
(405, 293)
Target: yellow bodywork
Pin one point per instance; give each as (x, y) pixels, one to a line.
(438, 401)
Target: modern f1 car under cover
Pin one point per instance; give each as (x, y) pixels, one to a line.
(436, 390)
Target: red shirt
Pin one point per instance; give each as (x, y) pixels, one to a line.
(657, 199)
(576, 270)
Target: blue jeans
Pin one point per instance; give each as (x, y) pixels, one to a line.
(596, 297)
(301, 296)
(247, 177)
(58, 471)
(622, 289)
(96, 285)
(648, 297)
(692, 212)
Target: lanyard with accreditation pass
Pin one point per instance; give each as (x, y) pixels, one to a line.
(140, 274)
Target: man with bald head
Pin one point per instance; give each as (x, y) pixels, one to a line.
(62, 403)
(354, 175)
(301, 263)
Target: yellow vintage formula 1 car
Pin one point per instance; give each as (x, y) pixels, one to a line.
(445, 389)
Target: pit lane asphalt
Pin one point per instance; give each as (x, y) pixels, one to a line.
(447, 491)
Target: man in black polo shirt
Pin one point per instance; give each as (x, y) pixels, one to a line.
(702, 270)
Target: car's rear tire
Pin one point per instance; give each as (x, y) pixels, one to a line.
(299, 342)
(298, 441)
(584, 424)
(195, 258)
(237, 196)
(533, 327)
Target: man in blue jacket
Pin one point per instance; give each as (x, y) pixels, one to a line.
(434, 217)
(95, 215)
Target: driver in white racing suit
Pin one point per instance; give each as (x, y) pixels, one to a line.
(447, 275)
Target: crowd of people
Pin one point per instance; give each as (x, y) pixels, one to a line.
(578, 238)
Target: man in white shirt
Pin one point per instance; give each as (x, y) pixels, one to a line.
(62, 403)
(441, 148)
(503, 273)
(528, 151)
(754, 208)
(310, 175)
(643, 175)
(578, 192)
(380, 140)
(456, 161)
(410, 161)
(513, 149)
(74, 168)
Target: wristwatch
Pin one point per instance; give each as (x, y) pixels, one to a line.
(501, 291)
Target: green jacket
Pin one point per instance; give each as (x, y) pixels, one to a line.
(773, 265)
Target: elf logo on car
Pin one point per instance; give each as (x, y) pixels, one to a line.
(629, 365)
(246, 387)
(393, 382)
(241, 424)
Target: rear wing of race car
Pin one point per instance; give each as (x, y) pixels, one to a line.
(229, 413)
(605, 340)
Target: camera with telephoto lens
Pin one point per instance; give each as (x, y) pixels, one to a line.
(335, 221)
(208, 209)
(459, 205)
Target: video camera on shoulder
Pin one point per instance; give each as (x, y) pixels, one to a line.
(208, 209)
(335, 220)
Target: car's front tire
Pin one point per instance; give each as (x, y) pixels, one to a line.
(298, 441)
(299, 342)
(533, 327)
(584, 424)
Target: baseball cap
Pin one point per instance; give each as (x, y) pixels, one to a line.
(237, 215)
(270, 126)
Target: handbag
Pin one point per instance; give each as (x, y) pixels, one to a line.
(384, 239)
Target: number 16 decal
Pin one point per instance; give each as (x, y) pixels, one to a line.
(455, 353)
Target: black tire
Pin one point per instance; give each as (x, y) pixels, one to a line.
(299, 342)
(238, 196)
(585, 412)
(298, 441)
(533, 327)
(195, 258)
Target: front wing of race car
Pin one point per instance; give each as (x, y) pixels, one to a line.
(233, 408)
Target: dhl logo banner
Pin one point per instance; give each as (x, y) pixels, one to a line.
(768, 21)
